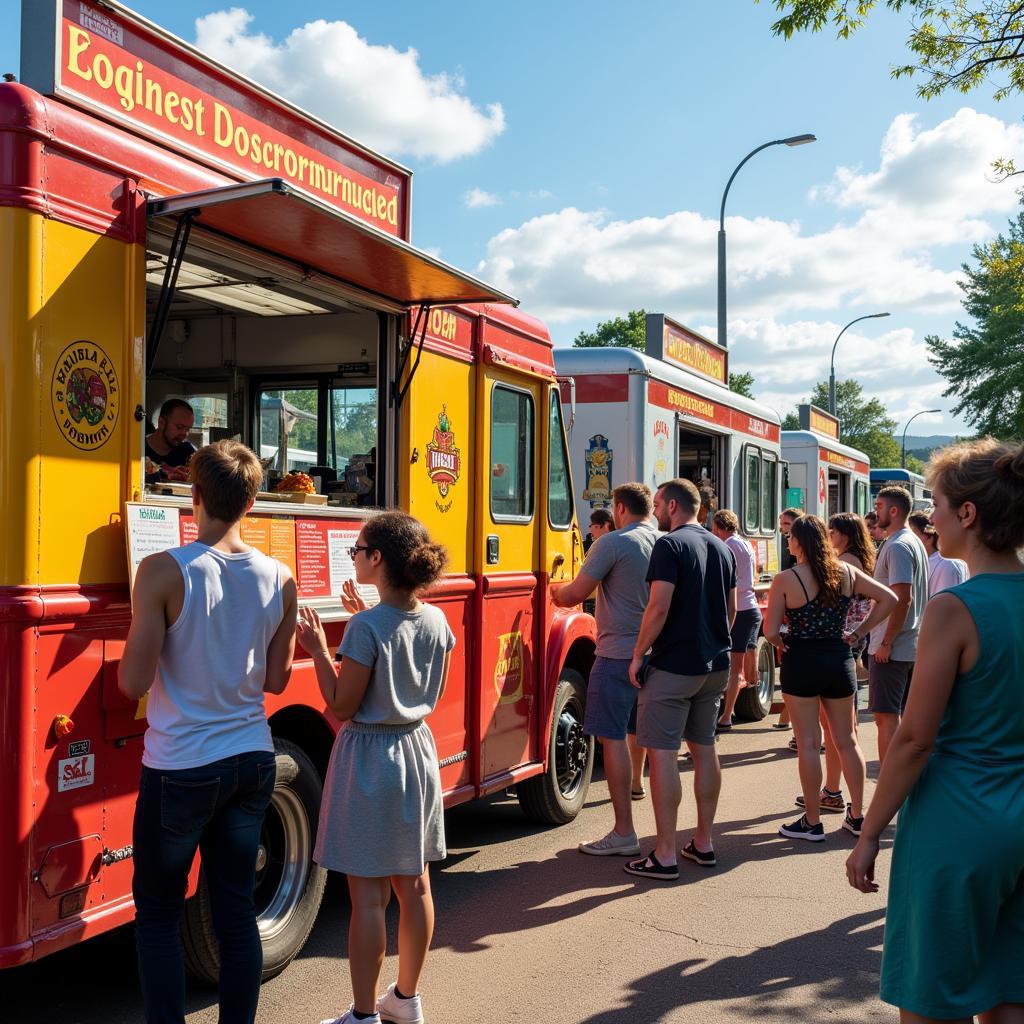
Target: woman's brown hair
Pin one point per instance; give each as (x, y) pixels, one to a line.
(989, 474)
(859, 542)
(412, 561)
(810, 534)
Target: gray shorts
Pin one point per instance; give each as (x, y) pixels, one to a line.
(673, 708)
(888, 686)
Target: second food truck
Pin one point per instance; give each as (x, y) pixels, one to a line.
(668, 412)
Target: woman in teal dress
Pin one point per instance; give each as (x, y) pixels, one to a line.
(954, 933)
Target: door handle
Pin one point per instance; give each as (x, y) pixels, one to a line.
(492, 550)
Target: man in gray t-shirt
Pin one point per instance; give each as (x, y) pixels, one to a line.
(616, 567)
(902, 565)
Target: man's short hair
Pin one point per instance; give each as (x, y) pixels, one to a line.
(871, 518)
(791, 513)
(602, 517)
(922, 520)
(726, 519)
(635, 497)
(172, 405)
(897, 496)
(228, 476)
(683, 492)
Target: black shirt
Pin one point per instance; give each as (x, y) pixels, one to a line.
(695, 638)
(177, 456)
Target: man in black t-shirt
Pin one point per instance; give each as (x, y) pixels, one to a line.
(687, 628)
(168, 449)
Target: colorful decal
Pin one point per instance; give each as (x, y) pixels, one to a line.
(822, 489)
(598, 459)
(661, 436)
(76, 772)
(78, 748)
(85, 395)
(444, 460)
(508, 668)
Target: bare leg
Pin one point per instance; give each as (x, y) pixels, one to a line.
(732, 691)
(848, 750)
(887, 725)
(415, 927)
(367, 938)
(749, 668)
(784, 715)
(833, 766)
(618, 771)
(807, 728)
(707, 784)
(906, 1017)
(638, 758)
(666, 792)
(1005, 1013)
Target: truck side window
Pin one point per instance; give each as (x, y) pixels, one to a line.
(512, 446)
(751, 488)
(559, 496)
(860, 500)
(769, 492)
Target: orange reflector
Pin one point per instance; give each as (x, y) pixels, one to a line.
(62, 725)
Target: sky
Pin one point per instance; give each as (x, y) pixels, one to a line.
(574, 155)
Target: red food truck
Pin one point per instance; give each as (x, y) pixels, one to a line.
(169, 229)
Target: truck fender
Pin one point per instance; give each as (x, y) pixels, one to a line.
(569, 626)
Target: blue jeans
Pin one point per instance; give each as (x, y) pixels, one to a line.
(218, 809)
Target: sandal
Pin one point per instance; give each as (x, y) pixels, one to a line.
(638, 794)
(781, 725)
(650, 867)
(792, 746)
(705, 858)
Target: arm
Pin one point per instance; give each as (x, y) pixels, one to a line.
(444, 673)
(730, 607)
(776, 611)
(896, 620)
(154, 583)
(281, 651)
(946, 633)
(883, 602)
(568, 595)
(310, 633)
(352, 681)
(650, 627)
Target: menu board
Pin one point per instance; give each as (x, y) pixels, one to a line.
(315, 550)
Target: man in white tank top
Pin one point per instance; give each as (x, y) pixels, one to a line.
(213, 629)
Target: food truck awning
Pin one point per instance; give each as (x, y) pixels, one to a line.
(276, 218)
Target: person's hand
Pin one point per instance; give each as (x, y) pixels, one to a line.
(850, 636)
(860, 865)
(177, 474)
(351, 599)
(633, 673)
(884, 654)
(309, 631)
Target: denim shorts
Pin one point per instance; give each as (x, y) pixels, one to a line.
(611, 699)
(744, 630)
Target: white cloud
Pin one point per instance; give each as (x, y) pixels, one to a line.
(478, 197)
(376, 94)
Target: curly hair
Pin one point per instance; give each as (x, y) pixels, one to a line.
(809, 532)
(412, 561)
(859, 542)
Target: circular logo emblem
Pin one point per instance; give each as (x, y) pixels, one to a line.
(85, 395)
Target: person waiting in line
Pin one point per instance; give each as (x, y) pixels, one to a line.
(742, 659)
(168, 449)
(786, 518)
(850, 541)
(602, 522)
(817, 664)
(943, 572)
(954, 928)
(875, 532)
(686, 629)
(381, 820)
(616, 567)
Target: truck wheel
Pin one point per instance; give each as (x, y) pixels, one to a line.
(289, 886)
(557, 796)
(755, 702)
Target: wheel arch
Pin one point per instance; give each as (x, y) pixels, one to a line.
(307, 729)
(572, 645)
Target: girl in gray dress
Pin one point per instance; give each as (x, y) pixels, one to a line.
(381, 820)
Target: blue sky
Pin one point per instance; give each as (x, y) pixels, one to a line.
(575, 154)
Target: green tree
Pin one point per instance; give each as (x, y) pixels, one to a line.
(742, 384)
(984, 364)
(954, 45)
(629, 331)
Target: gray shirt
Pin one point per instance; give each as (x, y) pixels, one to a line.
(619, 561)
(406, 651)
(903, 559)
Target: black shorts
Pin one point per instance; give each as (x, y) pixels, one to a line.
(745, 630)
(818, 668)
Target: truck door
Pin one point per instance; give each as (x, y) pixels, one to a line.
(513, 414)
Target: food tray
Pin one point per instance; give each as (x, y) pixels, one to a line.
(293, 497)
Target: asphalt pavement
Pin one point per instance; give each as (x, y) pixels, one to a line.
(529, 930)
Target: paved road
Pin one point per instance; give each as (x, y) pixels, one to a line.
(530, 931)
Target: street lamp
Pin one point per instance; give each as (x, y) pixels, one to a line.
(793, 140)
(832, 364)
(903, 457)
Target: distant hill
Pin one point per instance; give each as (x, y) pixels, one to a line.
(922, 447)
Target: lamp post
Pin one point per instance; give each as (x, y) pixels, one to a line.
(793, 140)
(832, 363)
(903, 457)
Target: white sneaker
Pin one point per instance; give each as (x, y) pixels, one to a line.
(399, 1011)
(612, 845)
(348, 1018)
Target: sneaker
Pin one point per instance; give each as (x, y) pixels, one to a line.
(612, 845)
(396, 1010)
(799, 829)
(828, 801)
(348, 1018)
(852, 824)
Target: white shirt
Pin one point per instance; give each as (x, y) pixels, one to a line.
(944, 573)
(746, 599)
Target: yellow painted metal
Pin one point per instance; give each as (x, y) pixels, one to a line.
(71, 304)
(560, 544)
(438, 435)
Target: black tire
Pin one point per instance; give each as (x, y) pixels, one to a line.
(557, 796)
(289, 886)
(755, 702)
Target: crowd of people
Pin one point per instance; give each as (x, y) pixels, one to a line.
(215, 624)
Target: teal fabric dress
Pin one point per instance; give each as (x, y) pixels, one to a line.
(954, 932)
